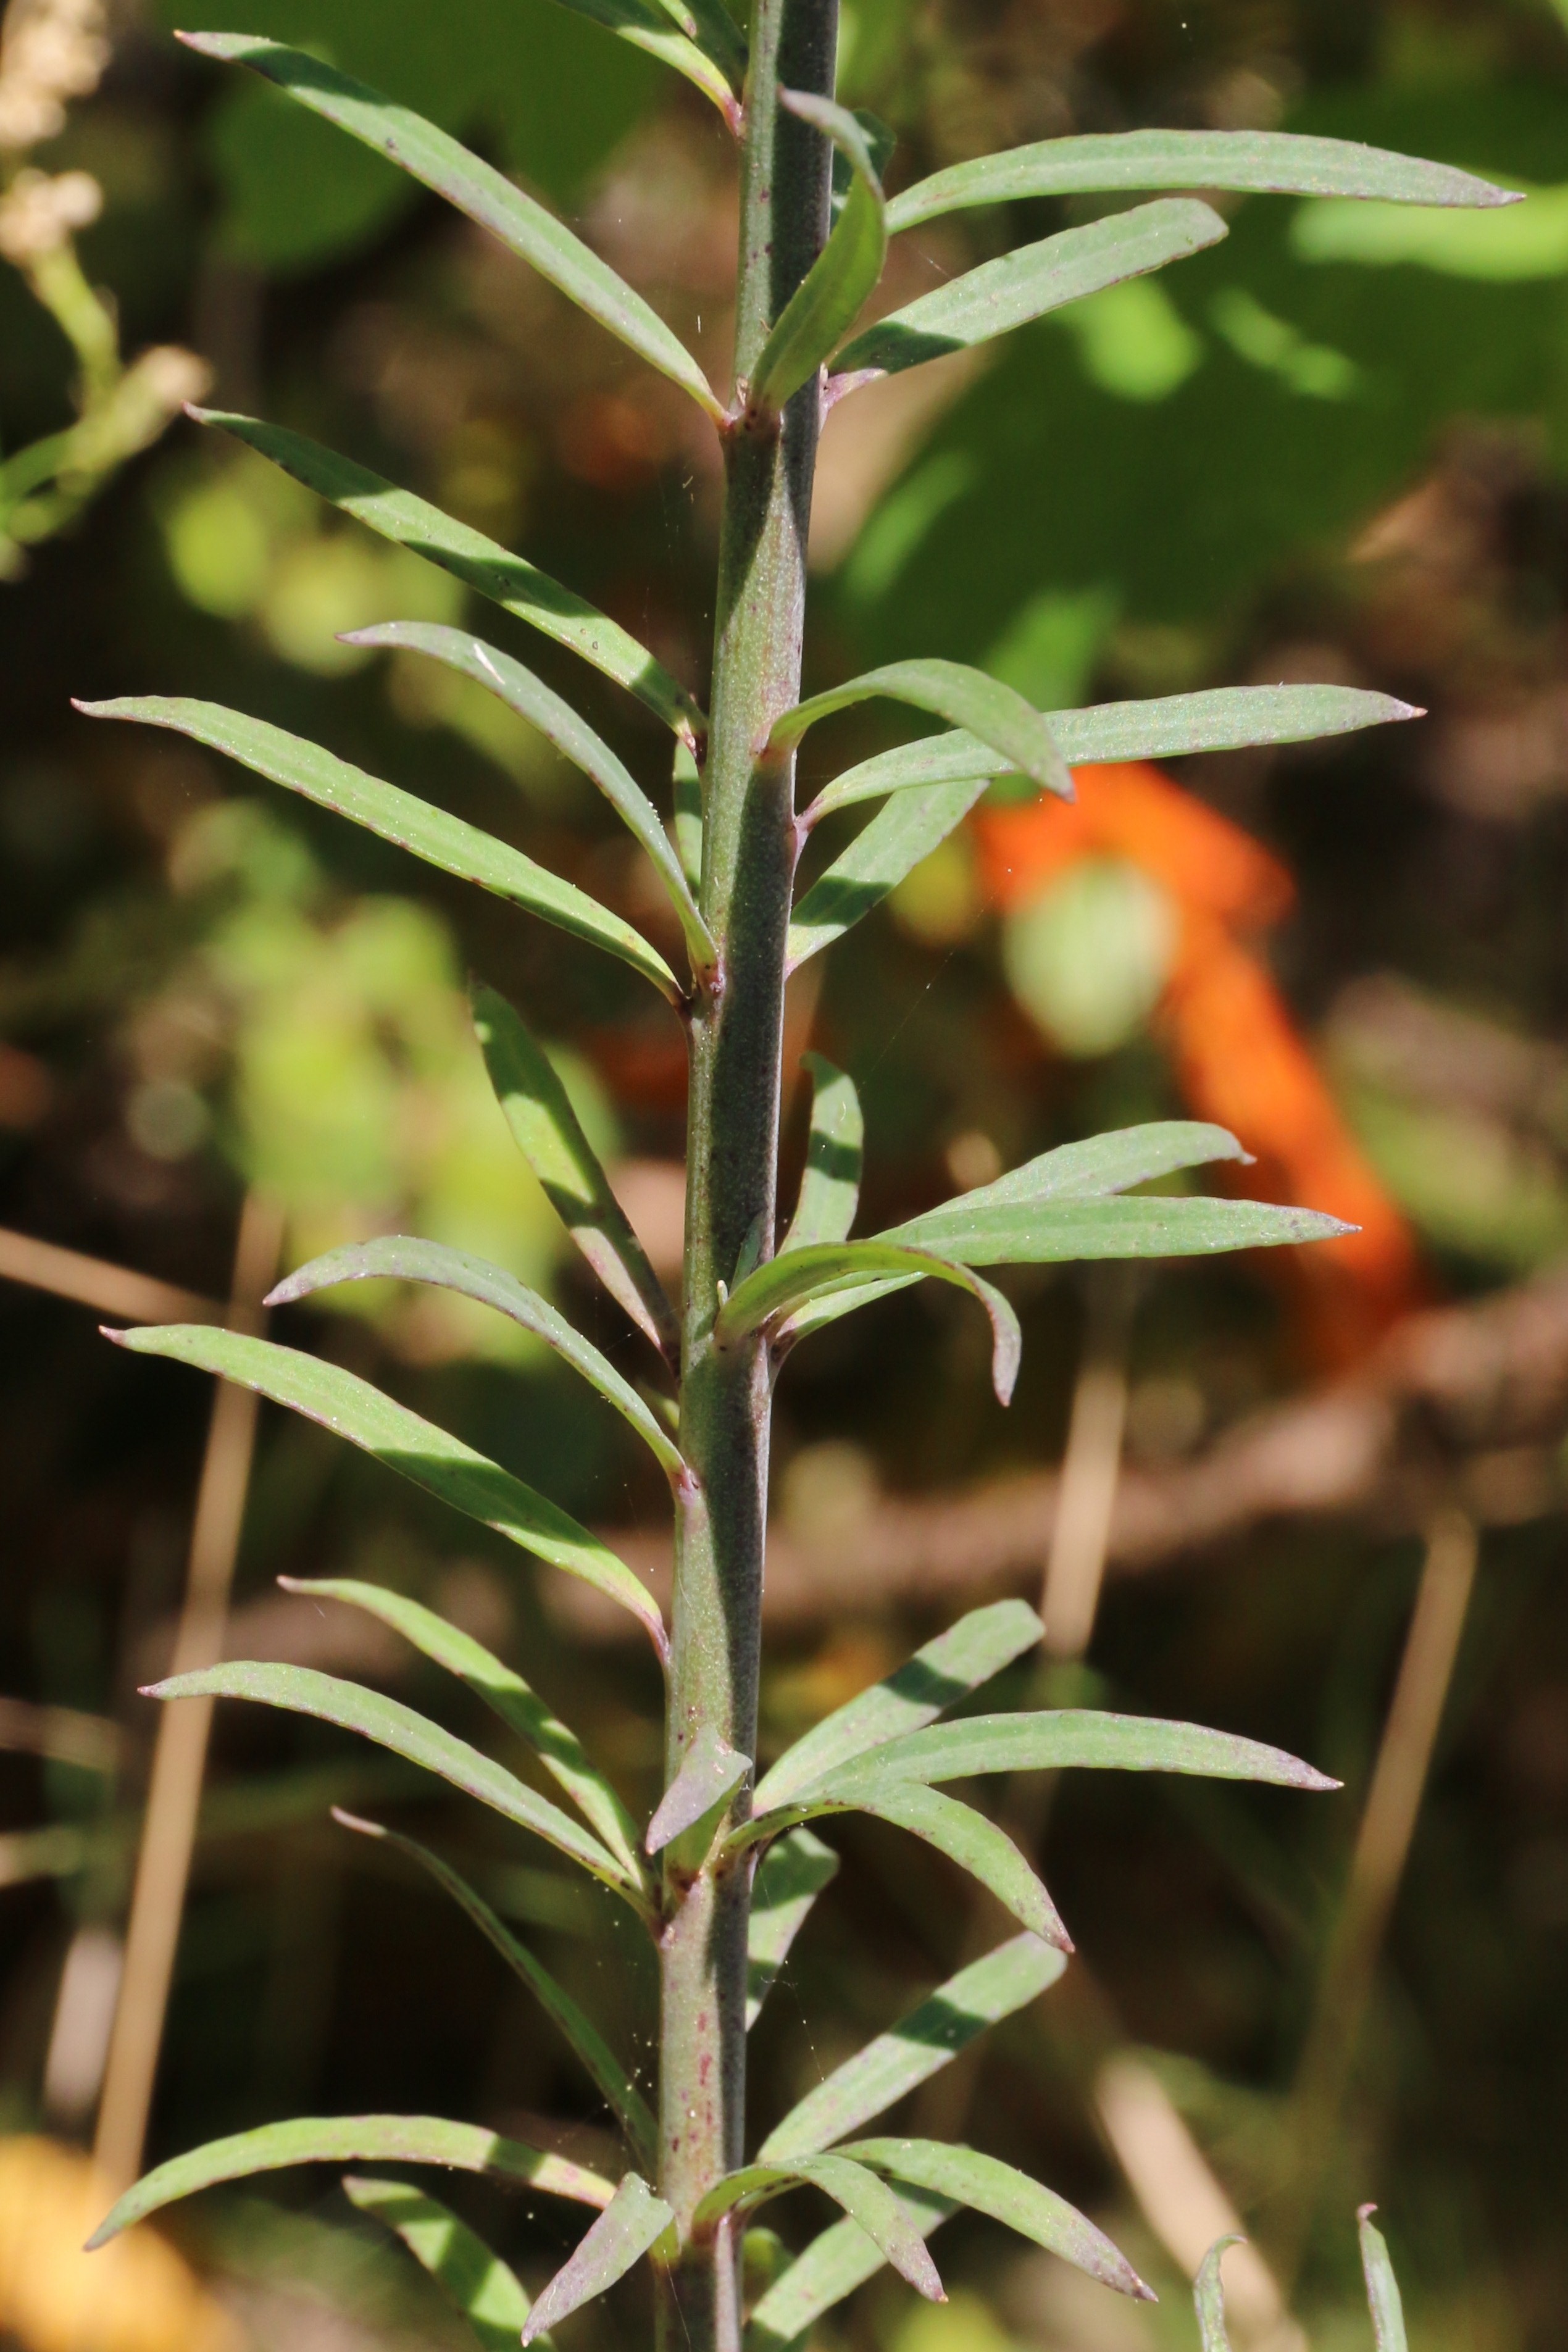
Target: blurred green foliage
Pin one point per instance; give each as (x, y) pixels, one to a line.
(296, 195)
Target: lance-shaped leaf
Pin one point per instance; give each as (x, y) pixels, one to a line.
(558, 1748)
(573, 737)
(1208, 2297)
(830, 1181)
(443, 165)
(898, 838)
(353, 2139)
(869, 2202)
(710, 1769)
(395, 1257)
(648, 27)
(1031, 1232)
(1078, 1738)
(988, 2186)
(1383, 2294)
(431, 1457)
(832, 2267)
(1281, 162)
(828, 300)
(485, 2290)
(995, 713)
(548, 1134)
(918, 2047)
(624, 2100)
(1027, 1207)
(508, 580)
(1019, 287)
(1100, 1165)
(792, 1874)
(946, 1670)
(633, 2221)
(1221, 718)
(956, 1831)
(820, 1269)
(441, 840)
(688, 824)
(300, 1690)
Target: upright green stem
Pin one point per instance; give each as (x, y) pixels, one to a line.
(748, 870)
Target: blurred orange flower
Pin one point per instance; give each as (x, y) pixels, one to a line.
(1240, 1058)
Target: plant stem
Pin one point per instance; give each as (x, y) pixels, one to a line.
(748, 868)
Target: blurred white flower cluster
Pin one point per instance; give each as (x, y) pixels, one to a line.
(39, 211)
(50, 52)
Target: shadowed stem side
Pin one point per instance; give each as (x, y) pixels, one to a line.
(748, 868)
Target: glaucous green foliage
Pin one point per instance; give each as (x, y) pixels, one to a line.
(718, 1847)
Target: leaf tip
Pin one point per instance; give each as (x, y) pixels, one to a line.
(1363, 2213)
(117, 1337)
(347, 1820)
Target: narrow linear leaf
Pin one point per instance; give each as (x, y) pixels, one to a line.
(353, 2139)
(445, 165)
(898, 838)
(550, 1136)
(994, 712)
(648, 27)
(687, 825)
(1092, 1169)
(1222, 719)
(988, 2186)
(818, 1269)
(835, 1305)
(791, 1876)
(1075, 1738)
(832, 2267)
(1099, 1166)
(633, 2221)
(918, 2047)
(709, 1771)
(431, 1457)
(967, 1838)
(485, 2290)
(1019, 287)
(881, 144)
(625, 2101)
(1383, 2299)
(946, 1670)
(510, 581)
(395, 1257)
(300, 1690)
(1280, 163)
(573, 737)
(869, 2202)
(442, 841)
(709, 24)
(1027, 1233)
(830, 298)
(955, 1830)
(830, 1181)
(1208, 2297)
(558, 1748)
